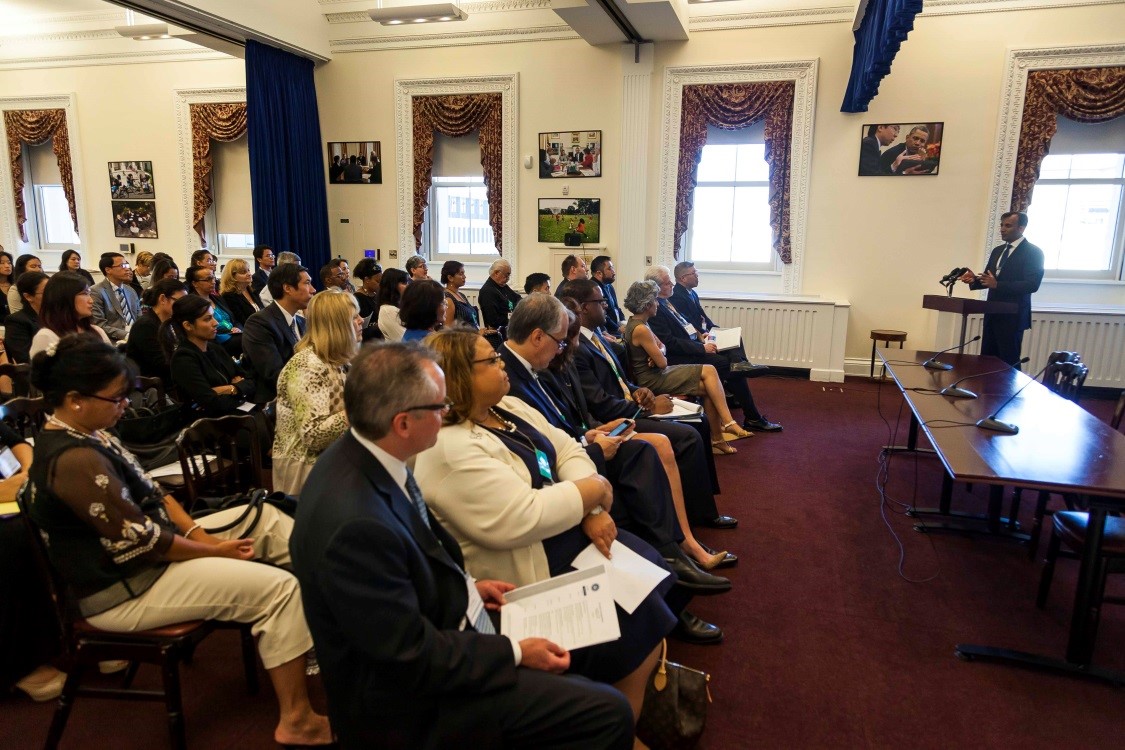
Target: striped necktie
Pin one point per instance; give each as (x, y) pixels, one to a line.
(609, 358)
(126, 313)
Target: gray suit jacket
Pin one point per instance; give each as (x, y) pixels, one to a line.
(107, 309)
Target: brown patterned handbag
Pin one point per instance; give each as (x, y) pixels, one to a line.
(675, 707)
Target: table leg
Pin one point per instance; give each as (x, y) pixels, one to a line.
(1080, 646)
(964, 326)
(873, 343)
(994, 524)
(911, 441)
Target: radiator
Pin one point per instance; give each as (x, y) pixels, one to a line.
(1098, 337)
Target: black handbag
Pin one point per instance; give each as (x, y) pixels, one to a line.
(145, 426)
(253, 501)
(675, 707)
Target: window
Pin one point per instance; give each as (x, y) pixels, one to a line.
(729, 224)
(49, 226)
(230, 217)
(456, 220)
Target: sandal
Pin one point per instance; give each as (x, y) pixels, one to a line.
(721, 447)
(711, 561)
(735, 429)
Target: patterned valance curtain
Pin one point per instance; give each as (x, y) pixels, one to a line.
(880, 33)
(210, 122)
(733, 106)
(1079, 94)
(457, 115)
(34, 127)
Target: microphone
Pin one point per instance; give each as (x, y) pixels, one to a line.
(952, 276)
(992, 423)
(933, 364)
(955, 392)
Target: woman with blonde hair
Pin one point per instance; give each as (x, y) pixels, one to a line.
(235, 291)
(310, 389)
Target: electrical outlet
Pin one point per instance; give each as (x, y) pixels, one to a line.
(648, 260)
(566, 189)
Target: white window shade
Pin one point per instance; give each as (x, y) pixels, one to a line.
(44, 164)
(230, 177)
(756, 133)
(457, 157)
(1089, 137)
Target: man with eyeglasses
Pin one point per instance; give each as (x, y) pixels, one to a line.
(408, 655)
(264, 257)
(116, 306)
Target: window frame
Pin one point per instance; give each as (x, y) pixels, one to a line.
(430, 228)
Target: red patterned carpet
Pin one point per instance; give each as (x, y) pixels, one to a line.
(827, 646)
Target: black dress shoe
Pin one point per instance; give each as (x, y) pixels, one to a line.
(761, 425)
(721, 522)
(749, 369)
(728, 562)
(695, 579)
(690, 629)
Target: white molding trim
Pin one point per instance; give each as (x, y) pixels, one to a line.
(68, 102)
(803, 73)
(453, 39)
(112, 58)
(507, 85)
(497, 6)
(181, 100)
(1019, 63)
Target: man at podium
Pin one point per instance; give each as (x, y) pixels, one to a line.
(1013, 273)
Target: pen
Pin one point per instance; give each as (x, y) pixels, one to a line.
(637, 413)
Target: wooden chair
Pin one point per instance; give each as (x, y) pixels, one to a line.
(20, 375)
(24, 415)
(167, 647)
(220, 456)
(153, 390)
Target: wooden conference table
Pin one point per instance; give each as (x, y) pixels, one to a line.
(1059, 447)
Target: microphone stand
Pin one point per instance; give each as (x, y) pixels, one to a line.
(933, 364)
(992, 423)
(955, 392)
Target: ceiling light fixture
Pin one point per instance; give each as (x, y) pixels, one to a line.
(435, 13)
(144, 31)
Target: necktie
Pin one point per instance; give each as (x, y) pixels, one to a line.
(126, 313)
(296, 330)
(476, 610)
(608, 358)
(679, 318)
(1004, 255)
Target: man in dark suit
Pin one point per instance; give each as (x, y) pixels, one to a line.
(687, 347)
(1013, 273)
(604, 274)
(908, 157)
(871, 147)
(686, 302)
(573, 267)
(269, 335)
(408, 654)
(264, 258)
(609, 396)
(116, 307)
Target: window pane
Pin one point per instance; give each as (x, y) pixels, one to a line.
(712, 220)
(54, 214)
(1055, 167)
(1079, 223)
(461, 216)
(717, 164)
(751, 164)
(752, 234)
(1087, 166)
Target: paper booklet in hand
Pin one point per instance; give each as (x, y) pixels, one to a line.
(681, 410)
(726, 338)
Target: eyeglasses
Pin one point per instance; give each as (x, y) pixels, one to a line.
(494, 360)
(118, 401)
(443, 407)
(561, 342)
(123, 265)
(205, 278)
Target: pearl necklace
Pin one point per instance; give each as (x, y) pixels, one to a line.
(507, 426)
(77, 433)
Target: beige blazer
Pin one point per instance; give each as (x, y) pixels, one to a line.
(481, 493)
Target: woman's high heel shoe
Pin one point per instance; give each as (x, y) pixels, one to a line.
(734, 428)
(711, 561)
(721, 447)
(43, 688)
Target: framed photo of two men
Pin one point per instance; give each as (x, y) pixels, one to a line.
(901, 149)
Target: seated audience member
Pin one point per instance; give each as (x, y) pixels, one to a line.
(148, 343)
(116, 305)
(334, 276)
(496, 299)
(391, 288)
(648, 356)
(407, 659)
(20, 327)
(609, 396)
(522, 499)
(537, 282)
(204, 259)
(7, 282)
(29, 633)
(686, 346)
(204, 373)
(369, 273)
(133, 558)
(201, 281)
(24, 264)
(288, 257)
(271, 334)
(236, 292)
(422, 309)
(72, 261)
(142, 272)
(603, 273)
(417, 269)
(643, 500)
(458, 307)
(264, 259)
(67, 308)
(165, 268)
(310, 389)
(573, 267)
(686, 303)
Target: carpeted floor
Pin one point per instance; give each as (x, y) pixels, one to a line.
(827, 645)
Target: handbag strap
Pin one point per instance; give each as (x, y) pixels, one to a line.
(660, 678)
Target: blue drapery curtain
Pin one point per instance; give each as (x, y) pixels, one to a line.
(883, 29)
(286, 162)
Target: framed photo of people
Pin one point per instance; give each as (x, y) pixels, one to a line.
(355, 163)
(135, 219)
(131, 180)
(905, 149)
(576, 153)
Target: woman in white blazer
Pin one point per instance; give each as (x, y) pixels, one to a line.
(523, 500)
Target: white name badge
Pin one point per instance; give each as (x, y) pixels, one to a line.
(690, 329)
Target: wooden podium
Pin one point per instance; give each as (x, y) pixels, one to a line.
(965, 307)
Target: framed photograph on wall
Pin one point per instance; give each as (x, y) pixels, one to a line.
(135, 219)
(131, 180)
(902, 149)
(559, 217)
(355, 163)
(576, 153)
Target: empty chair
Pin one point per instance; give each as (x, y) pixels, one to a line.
(24, 415)
(220, 456)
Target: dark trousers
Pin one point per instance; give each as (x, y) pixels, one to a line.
(1002, 337)
(29, 633)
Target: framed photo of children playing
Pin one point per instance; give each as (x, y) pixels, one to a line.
(900, 149)
(580, 218)
(570, 154)
(131, 180)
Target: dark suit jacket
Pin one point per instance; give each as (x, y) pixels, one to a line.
(681, 347)
(496, 302)
(384, 596)
(267, 344)
(1017, 280)
(144, 349)
(239, 308)
(259, 280)
(19, 328)
(686, 302)
(870, 162)
(613, 315)
(195, 373)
